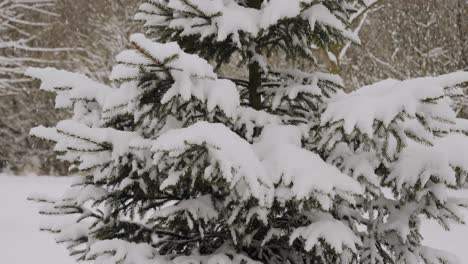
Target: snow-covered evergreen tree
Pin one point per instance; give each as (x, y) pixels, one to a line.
(180, 165)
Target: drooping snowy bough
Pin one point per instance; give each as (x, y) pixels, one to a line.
(179, 165)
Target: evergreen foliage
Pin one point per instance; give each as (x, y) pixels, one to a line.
(179, 165)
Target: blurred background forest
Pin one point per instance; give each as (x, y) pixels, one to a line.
(408, 38)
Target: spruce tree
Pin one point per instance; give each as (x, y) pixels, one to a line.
(180, 165)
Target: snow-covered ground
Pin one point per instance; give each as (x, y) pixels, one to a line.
(22, 243)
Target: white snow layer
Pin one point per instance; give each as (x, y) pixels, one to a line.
(385, 100)
(300, 172)
(276, 158)
(78, 86)
(434, 161)
(192, 76)
(224, 17)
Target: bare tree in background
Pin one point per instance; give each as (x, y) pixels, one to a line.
(408, 39)
(18, 30)
(21, 22)
(98, 29)
(84, 35)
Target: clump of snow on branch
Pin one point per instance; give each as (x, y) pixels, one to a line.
(221, 18)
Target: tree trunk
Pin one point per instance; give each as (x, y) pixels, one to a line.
(463, 64)
(257, 4)
(255, 83)
(255, 72)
